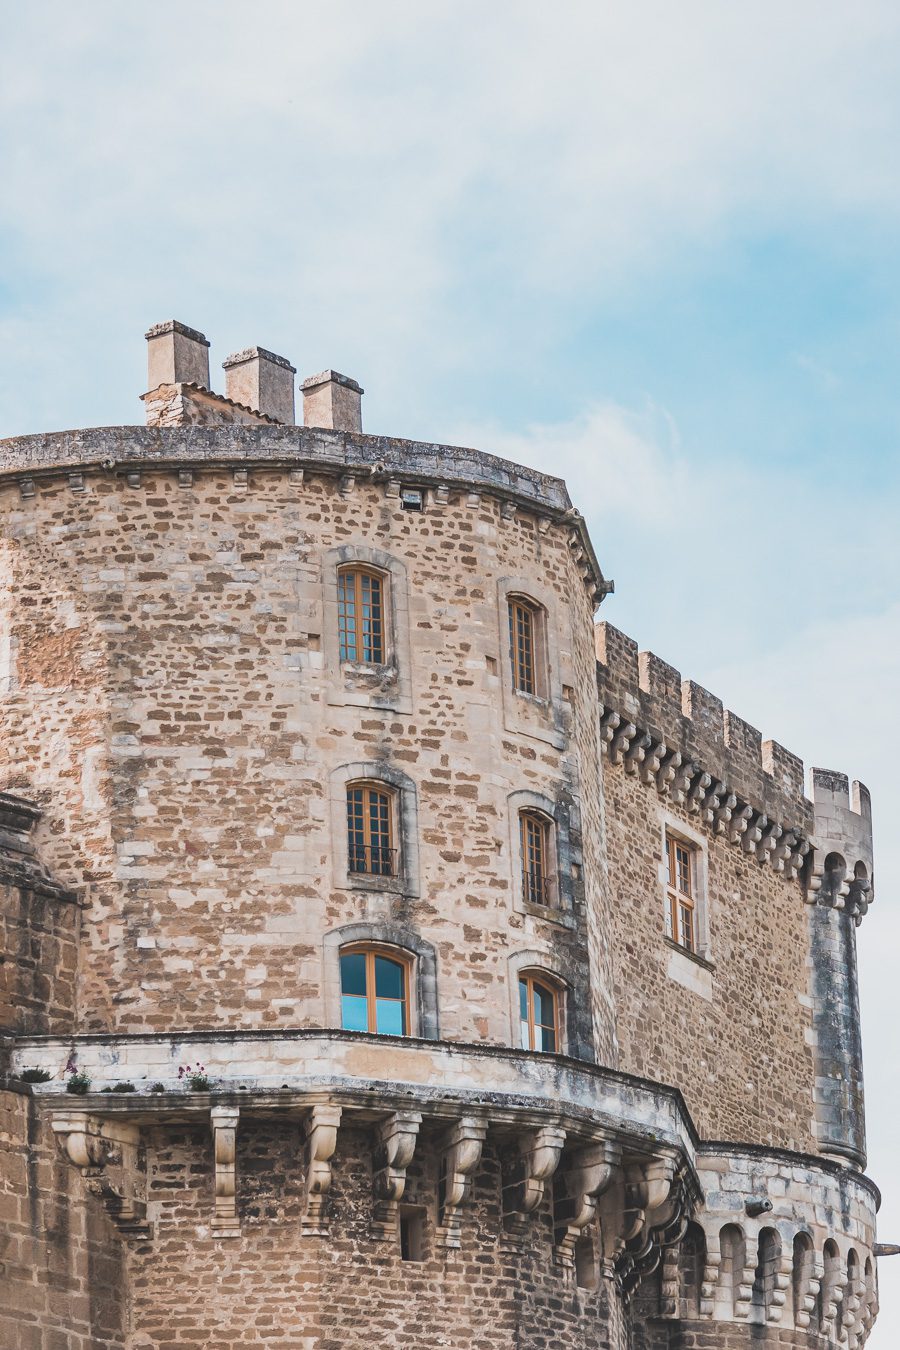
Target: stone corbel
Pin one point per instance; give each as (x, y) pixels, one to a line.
(320, 1143)
(588, 1173)
(810, 1295)
(621, 741)
(108, 1156)
(653, 1218)
(681, 783)
(667, 771)
(740, 820)
(723, 812)
(610, 721)
(636, 753)
(394, 1152)
(539, 1153)
(743, 1284)
(767, 845)
(832, 1311)
(460, 1156)
(224, 1122)
(753, 834)
(649, 770)
(698, 790)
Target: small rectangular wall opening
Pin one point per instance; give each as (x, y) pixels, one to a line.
(412, 1233)
(587, 1271)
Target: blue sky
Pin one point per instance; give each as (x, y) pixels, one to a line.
(652, 247)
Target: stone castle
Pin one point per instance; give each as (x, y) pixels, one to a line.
(392, 956)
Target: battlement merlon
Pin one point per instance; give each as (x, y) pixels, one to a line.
(688, 719)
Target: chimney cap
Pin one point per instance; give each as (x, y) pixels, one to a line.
(173, 326)
(332, 377)
(257, 354)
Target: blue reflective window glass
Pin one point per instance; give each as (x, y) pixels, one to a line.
(389, 1017)
(388, 978)
(353, 974)
(354, 1013)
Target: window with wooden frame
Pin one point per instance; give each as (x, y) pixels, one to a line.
(536, 851)
(370, 830)
(681, 890)
(374, 991)
(361, 615)
(526, 646)
(538, 1013)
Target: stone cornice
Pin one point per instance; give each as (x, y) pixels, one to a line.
(350, 457)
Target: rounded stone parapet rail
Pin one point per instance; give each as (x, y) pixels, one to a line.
(356, 1068)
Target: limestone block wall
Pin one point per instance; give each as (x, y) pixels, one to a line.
(192, 741)
(62, 1265)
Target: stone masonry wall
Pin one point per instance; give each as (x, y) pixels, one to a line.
(39, 944)
(62, 1276)
(182, 738)
(732, 1031)
(346, 1290)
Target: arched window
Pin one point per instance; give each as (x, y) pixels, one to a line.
(370, 830)
(361, 615)
(374, 991)
(526, 646)
(538, 1013)
(536, 852)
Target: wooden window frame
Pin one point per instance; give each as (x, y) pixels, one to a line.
(530, 978)
(527, 660)
(359, 571)
(539, 884)
(372, 950)
(682, 905)
(370, 789)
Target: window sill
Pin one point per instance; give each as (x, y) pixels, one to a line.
(363, 881)
(562, 918)
(691, 956)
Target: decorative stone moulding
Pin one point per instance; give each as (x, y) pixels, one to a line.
(782, 847)
(350, 457)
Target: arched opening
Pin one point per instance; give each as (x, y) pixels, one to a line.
(768, 1256)
(734, 1260)
(691, 1264)
(802, 1269)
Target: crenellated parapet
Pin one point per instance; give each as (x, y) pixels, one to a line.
(841, 872)
(679, 739)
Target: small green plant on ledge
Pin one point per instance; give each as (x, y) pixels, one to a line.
(119, 1087)
(157, 1087)
(77, 1080)
(35, 1076)
(194, 1076)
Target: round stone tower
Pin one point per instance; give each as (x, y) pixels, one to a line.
(393, 1024)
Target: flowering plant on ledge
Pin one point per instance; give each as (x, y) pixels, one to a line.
(194, 1076)
(77, 1081)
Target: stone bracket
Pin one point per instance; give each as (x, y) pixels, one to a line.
(460, 1155)
(539, 1154)
(588, 1173)
(108, 1155)
(224, 1122)
(396, 1144)
(319, 1146)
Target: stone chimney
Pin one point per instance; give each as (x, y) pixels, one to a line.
(176, 354)
(262, 381)
(333, 401)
